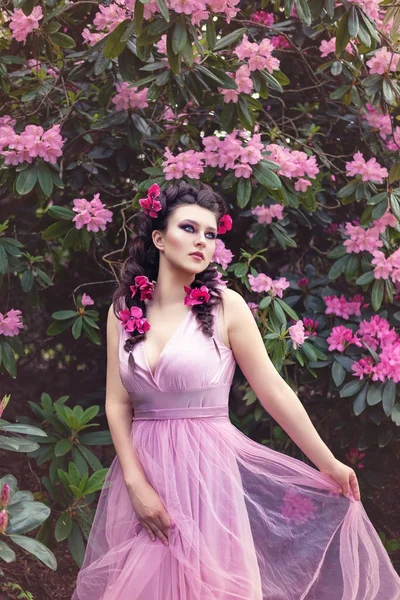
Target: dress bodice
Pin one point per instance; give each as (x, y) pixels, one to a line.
(193, 370)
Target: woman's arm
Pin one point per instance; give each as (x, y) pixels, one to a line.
(119, 411)
(271, 389)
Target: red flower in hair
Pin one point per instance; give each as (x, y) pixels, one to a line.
(151, 206)
(225, 224)
(133, 320)
(196, 295)
(145, 287)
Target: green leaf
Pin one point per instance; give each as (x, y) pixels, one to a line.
(309, 351)
(26, 180)
(243, 192)
(91, 333)
(229, 39)
(62, 447)
(27, 280)
(90, 458)
(266, 177)
(377, 294)
(218, 76)
(62, 40)
(288, 310)
(342, 33)
(37, 549)
(365, 278)
(114, 46)
(9, 360)
(77, 327)
(179, 36)
(60, 315)
(61, 212)
(45, 179)
(210, 32)
(63, 527)
(163, 9)
(97, 438)
(56, 230)
(303, 11)
(389, 397)
(338, 373)
(24, 429)
(337, 252)
(27, 516)
(95, 482)
(360, 401)
(374, 395)
(338, 267)
(6, 553)
(353, 22)
(351, 388)
(76, 544)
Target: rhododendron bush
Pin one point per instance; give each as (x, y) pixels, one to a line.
(290, 109)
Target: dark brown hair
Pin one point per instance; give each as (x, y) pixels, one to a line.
(143, 256)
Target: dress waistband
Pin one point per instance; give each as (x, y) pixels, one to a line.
(189, 412)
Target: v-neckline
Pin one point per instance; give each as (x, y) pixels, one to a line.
(153, 375)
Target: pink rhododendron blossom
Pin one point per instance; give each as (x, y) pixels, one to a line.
(310, 325)
(297, 334)
(189, 163)
(383, 61)
(279, 41)
(22, 25)
(128, 97)
(361, 239)
(340, 337)
(263, 17)
(265, 214)
(93, 214)
(329, 47)
(259, 55)
(263, 283)
(10, 323)
(5, 495)
(33, 142)
(293, 163)
(340, 307)
(222, 255)
(301, 185)
(86, 300)
(363, 367)
(3, 521)
(369, 170)
(383, 268)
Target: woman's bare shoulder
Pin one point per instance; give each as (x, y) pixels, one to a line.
(233, 302)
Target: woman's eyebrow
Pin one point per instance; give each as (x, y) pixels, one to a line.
(196, 223)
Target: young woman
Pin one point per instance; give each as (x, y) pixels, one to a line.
(191, 508)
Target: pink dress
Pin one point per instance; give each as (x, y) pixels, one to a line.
(250, 523)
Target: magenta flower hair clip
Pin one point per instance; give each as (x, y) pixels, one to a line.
(145, 287)
(196, 295)
(224, 224)
(132, 320)
(151, 206)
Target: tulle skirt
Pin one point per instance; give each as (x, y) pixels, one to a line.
(249, 523)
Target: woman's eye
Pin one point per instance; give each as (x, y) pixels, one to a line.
(213, 235)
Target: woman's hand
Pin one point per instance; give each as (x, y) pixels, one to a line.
(150, 511)
(345, 477)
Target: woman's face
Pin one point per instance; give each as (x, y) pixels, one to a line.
(191, 228)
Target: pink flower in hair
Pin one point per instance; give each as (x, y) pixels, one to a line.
(225, 224)
(145, 287)
(133, 320)
(151, 206)
(196, 295)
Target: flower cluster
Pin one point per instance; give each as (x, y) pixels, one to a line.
(257, 56)
(263, 17)
(361, 239)
(144, 286)
(22, 25)
(128, 97)
(294, 164)
(340, 307)
(194, 296)
(263, 283)
(93, 214)
(109, 17)
(33, 142)
(369, 170)
(222, 255)
(382, 123)
(298, 334)
(243, 81)
(387, 267)
(189, 163)
(4, 500)
(265, 214)
(237, 151)
(132, 320)
(329, 47)
(383, 61)
(310, 326)
(151, 206)
(341, 337)
(298, 508)
(10, 323)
